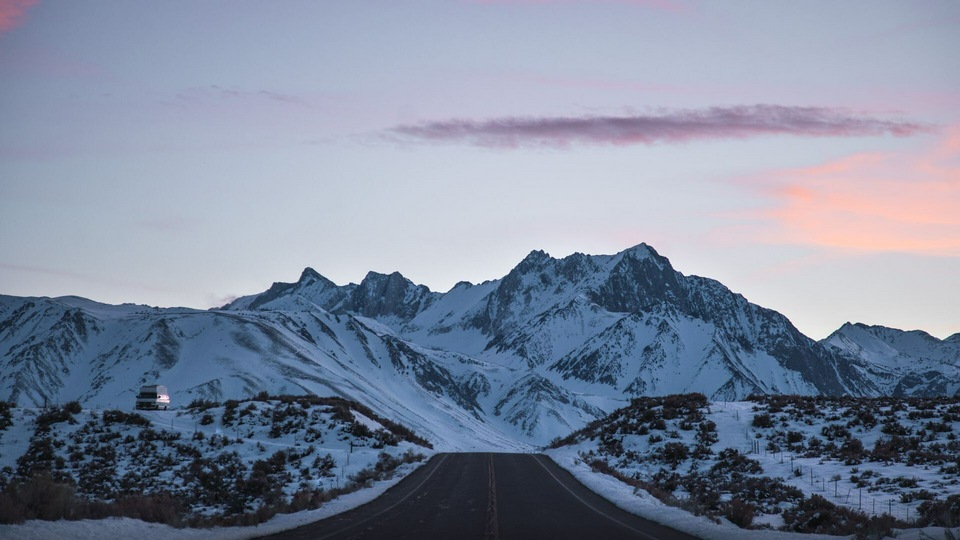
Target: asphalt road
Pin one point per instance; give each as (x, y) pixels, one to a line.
(488, 496)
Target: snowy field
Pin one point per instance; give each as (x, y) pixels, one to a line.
(237, 463)
(126, 528)
(893, 459)
(643, 504)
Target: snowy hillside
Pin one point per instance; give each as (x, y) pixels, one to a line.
(239, 462)
(503, 364)
(837, 466)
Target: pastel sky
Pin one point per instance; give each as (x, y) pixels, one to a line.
(805, 154)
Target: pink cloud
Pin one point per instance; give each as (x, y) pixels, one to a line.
(673, 126)
(877, 202)
(12, 13)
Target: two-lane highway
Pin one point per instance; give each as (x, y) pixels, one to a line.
(488, 496)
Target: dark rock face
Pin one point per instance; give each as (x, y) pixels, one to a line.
(380, 295)
(639, 281)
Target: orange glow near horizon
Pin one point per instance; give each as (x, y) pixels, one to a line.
(873, 202)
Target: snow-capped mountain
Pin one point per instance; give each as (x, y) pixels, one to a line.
(901, 363)
(549, 347)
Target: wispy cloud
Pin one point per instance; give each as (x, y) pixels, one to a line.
(876, 202)
(12, 13)
(664, 127)
(213, 93)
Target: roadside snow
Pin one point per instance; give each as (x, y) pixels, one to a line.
(125, 528)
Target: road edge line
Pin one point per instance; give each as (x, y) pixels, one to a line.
(392, 506)
(536, 458)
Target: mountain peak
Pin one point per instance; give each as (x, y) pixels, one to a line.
(643, 251)
(389, 294)
(373, 274)
(640, 249)
(309, 275)
(536, 256)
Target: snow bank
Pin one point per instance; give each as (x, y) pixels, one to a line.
(126, 528)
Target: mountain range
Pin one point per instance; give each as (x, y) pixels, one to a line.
(505, 363)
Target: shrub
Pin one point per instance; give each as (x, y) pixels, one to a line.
(762, 420)
(72, 407)
(161, 508)
(120, 417)
(674, 453)
(940, 513)
(324, 465)
(812, 515)
(202, 404)
(38, 497)
(54, 415)
(740, 513)
(852, 452)
(835, 431)
(707, 433)
(730, 460)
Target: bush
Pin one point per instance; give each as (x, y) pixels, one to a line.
(161, 508)
(730, 460)
(674, 453)
(54, 415)
(38, 497)
(762, 420)
(940, 513)
(835, 431)
(852, 452)
(120, 417)
(740, 513)
(72, 407)
(202, 404)
(812, 515)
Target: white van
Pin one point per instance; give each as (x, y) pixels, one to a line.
(153, 397)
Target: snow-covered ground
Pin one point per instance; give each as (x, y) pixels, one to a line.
(873, 456)
(643, 504)
(782, 435)
(126, 528)
(215, 460)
